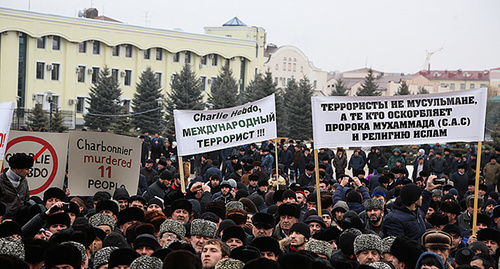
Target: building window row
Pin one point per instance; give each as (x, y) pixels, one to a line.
(53, 68)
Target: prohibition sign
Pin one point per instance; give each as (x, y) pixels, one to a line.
(45, 146)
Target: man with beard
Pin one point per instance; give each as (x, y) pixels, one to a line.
(263, 224)
(375, 214)
(202, 231)
(299, 236)
(289, 215)
(225, 193)
(148, 172)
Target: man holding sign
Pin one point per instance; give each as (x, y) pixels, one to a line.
(14, 191)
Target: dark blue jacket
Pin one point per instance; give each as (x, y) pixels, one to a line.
(402, 221)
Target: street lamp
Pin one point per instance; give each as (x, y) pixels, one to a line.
(49, 98)
(159, 101)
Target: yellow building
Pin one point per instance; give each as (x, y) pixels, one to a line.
(449, 81)
(44, 54)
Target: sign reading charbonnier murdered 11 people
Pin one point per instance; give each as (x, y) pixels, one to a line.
(102, 162)
(199, 131)
(399, 120)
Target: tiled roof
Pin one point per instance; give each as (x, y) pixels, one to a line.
(456, 75)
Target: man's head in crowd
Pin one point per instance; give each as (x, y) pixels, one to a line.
(374, 210)
(263, 224)
(234, 237)
(213, 250)
(339, 210)
(146, 244)
(138, 201)
(438, 242)
(109, 207)
(367, 248)
(289, 197)
(214, 180)
(225, 188)
(268, 246)
(181, 210)
(289, 215)
(490, 237)
(128, 217)
(103, 221)
(315, 223)
(202, 231)
(155, 204)
(52, 196)
(58, 222)
(171, 230)
(20, 164)
(299, 235)
(253, 180)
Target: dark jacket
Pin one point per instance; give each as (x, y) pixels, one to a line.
(156, 189)
(460, 182)
(149, 174)
(377, 160)
(13, 197)
(356, 163)
(402, 221)
(437, 166)
(340, 163)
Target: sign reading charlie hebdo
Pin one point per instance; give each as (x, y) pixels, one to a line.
(103, 162)
(399, 120)
(49, 150)
(199, 131)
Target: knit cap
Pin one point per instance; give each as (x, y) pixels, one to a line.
(301, 228)
(410, 193)
(203, 227)
(13, 247)
(367, 242)
(102, 219)
(319, 247)
(102, 256)
(146, 262)
(173, 226)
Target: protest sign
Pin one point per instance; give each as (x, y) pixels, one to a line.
(199, 131)
(6, 111)
(103, 162)
(49, 151)
(399, 120)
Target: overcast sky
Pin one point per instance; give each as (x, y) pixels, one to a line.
(387, 35)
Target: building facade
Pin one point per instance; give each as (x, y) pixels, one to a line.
(44, 55)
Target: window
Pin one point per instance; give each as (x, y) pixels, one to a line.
(284, 65)
(452, 86)
(277, 67)
(80, 104)
(147, 54)
(283, 81)
(289, 67)
(228, 61)
(158, 76)
(55, 71)
(82, 47)
(203, 83)
(114, 74)
(81, 73)
(40, 70)
(462, 86)
(187, 57)
(128, 77)
(288, 80)
(115, 51)
(294, 67)
(56, 43)
(55, 100)
(315, 83)
(40, 42)
(127, 104)
(472, 86)
(214, 59)
(159, 54)
(96, 47)
(128, 51)
(95, 74)
(203, 60)
(482, 85)
(301, 69)
(176, 56)
(275, 80)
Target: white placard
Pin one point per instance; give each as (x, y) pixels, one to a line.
(199, 131)
(6, 111)
(399, 120)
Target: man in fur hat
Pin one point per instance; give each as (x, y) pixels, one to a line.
(367, 248)
(14, 190)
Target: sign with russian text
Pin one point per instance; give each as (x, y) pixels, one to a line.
(199, 131)
(49, 150)
(6, 111)
(103, 162)
(399, 120)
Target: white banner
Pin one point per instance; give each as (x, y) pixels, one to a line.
(6, 111)
(399, 120)
(103, 162)
(50, 151)
(199, 131)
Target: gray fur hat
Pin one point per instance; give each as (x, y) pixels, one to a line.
(340, 205)
(146, 262)
(381, 265)
(203, 227)
(320, 247)
(374, 204)
(102, 256)
(80, 248)
(234, 205)
(173, 226)
(13, 247)
(102, 219)
(367, 242)
(387, 244)
(229, 263)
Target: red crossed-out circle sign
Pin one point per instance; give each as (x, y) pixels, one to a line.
(45, 146)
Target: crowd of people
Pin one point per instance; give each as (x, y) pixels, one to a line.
(241, 210)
